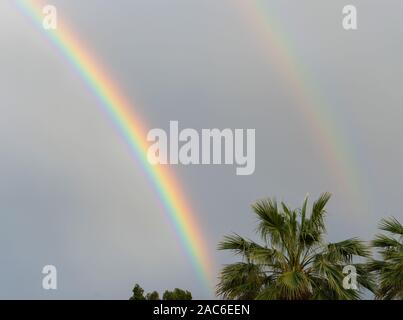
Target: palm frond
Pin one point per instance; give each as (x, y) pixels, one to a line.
(391, 225)
(344, 251)
(383, 241)
(240, 281)
(238, 245)
(318, 211)
(270, 220)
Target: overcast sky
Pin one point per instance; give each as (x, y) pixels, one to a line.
(71, 195)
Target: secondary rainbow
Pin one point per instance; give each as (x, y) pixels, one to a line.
(132, 127)
(335, 146)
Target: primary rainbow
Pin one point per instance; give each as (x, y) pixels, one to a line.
(133, 129)
(335, 147)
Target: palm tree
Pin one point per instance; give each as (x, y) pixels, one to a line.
(294, 262)
(389, 270)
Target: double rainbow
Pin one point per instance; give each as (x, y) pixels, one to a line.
(335, 147)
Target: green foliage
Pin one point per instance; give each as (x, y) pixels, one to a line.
(138, 293)
(293, 262)
(153, 296)
(389, 270)
(177, 294)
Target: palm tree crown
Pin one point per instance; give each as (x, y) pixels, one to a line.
(294, 261)
(389, 270)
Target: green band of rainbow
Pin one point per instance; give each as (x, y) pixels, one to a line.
(133, 129)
